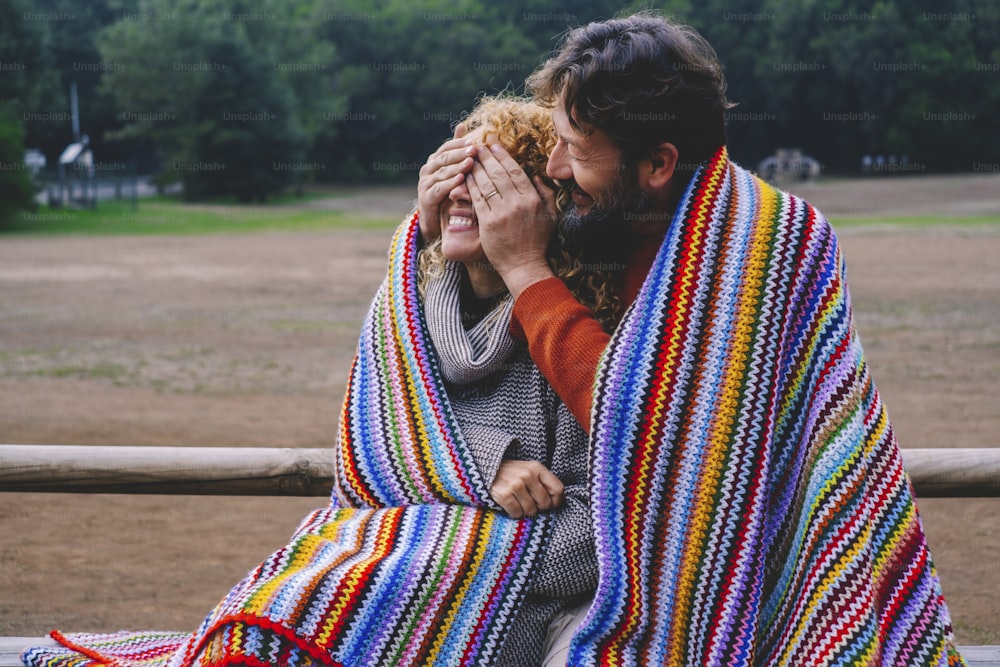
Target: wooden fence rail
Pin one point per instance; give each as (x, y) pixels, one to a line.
(947, 473)
(225, 471)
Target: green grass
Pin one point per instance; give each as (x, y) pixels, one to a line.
(915, 221)
(166, 216)
(281, 199)
(101, 370)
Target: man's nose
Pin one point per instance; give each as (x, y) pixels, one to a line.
(558, 166)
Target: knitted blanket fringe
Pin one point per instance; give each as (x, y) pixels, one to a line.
(749, 500)
(408, 565)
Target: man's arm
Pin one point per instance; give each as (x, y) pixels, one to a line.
(515, 225)
(564, 340)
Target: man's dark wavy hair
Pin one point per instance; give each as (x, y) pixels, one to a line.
(644, 80)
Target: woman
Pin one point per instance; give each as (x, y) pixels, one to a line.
(459, 524)
(492, 382)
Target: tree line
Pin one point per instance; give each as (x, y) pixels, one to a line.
(249, 98)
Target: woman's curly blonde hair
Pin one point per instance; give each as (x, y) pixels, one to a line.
(524, 129)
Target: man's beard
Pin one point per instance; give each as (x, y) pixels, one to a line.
(609, 217)
(603, 235)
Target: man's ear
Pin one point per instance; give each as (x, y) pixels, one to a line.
(658, 168)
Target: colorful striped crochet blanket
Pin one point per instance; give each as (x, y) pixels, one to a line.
(749, 498)
(407, 566)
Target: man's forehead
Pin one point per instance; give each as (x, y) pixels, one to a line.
(559, 119)
(590, 140)
(565, 129)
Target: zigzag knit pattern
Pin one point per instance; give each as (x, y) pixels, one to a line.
(749, 498)
(148, 649)
(407, 566)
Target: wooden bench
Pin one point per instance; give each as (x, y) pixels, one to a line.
(244, 471)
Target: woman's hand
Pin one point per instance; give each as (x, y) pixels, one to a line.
(525, 488)
(517, 217)
(444, 170)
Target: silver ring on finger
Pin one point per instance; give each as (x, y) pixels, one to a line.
(487, 197)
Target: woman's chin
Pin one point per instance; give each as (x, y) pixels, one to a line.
(463, 251)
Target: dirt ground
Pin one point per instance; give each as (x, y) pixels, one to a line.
(246, 340)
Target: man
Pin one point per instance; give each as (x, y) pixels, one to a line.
(622, 153)
(749, 499)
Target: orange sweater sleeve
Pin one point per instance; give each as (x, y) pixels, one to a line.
(564, 341)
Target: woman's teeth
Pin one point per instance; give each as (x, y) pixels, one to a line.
(458, 221)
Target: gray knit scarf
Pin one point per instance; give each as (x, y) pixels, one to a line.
(466, 356)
